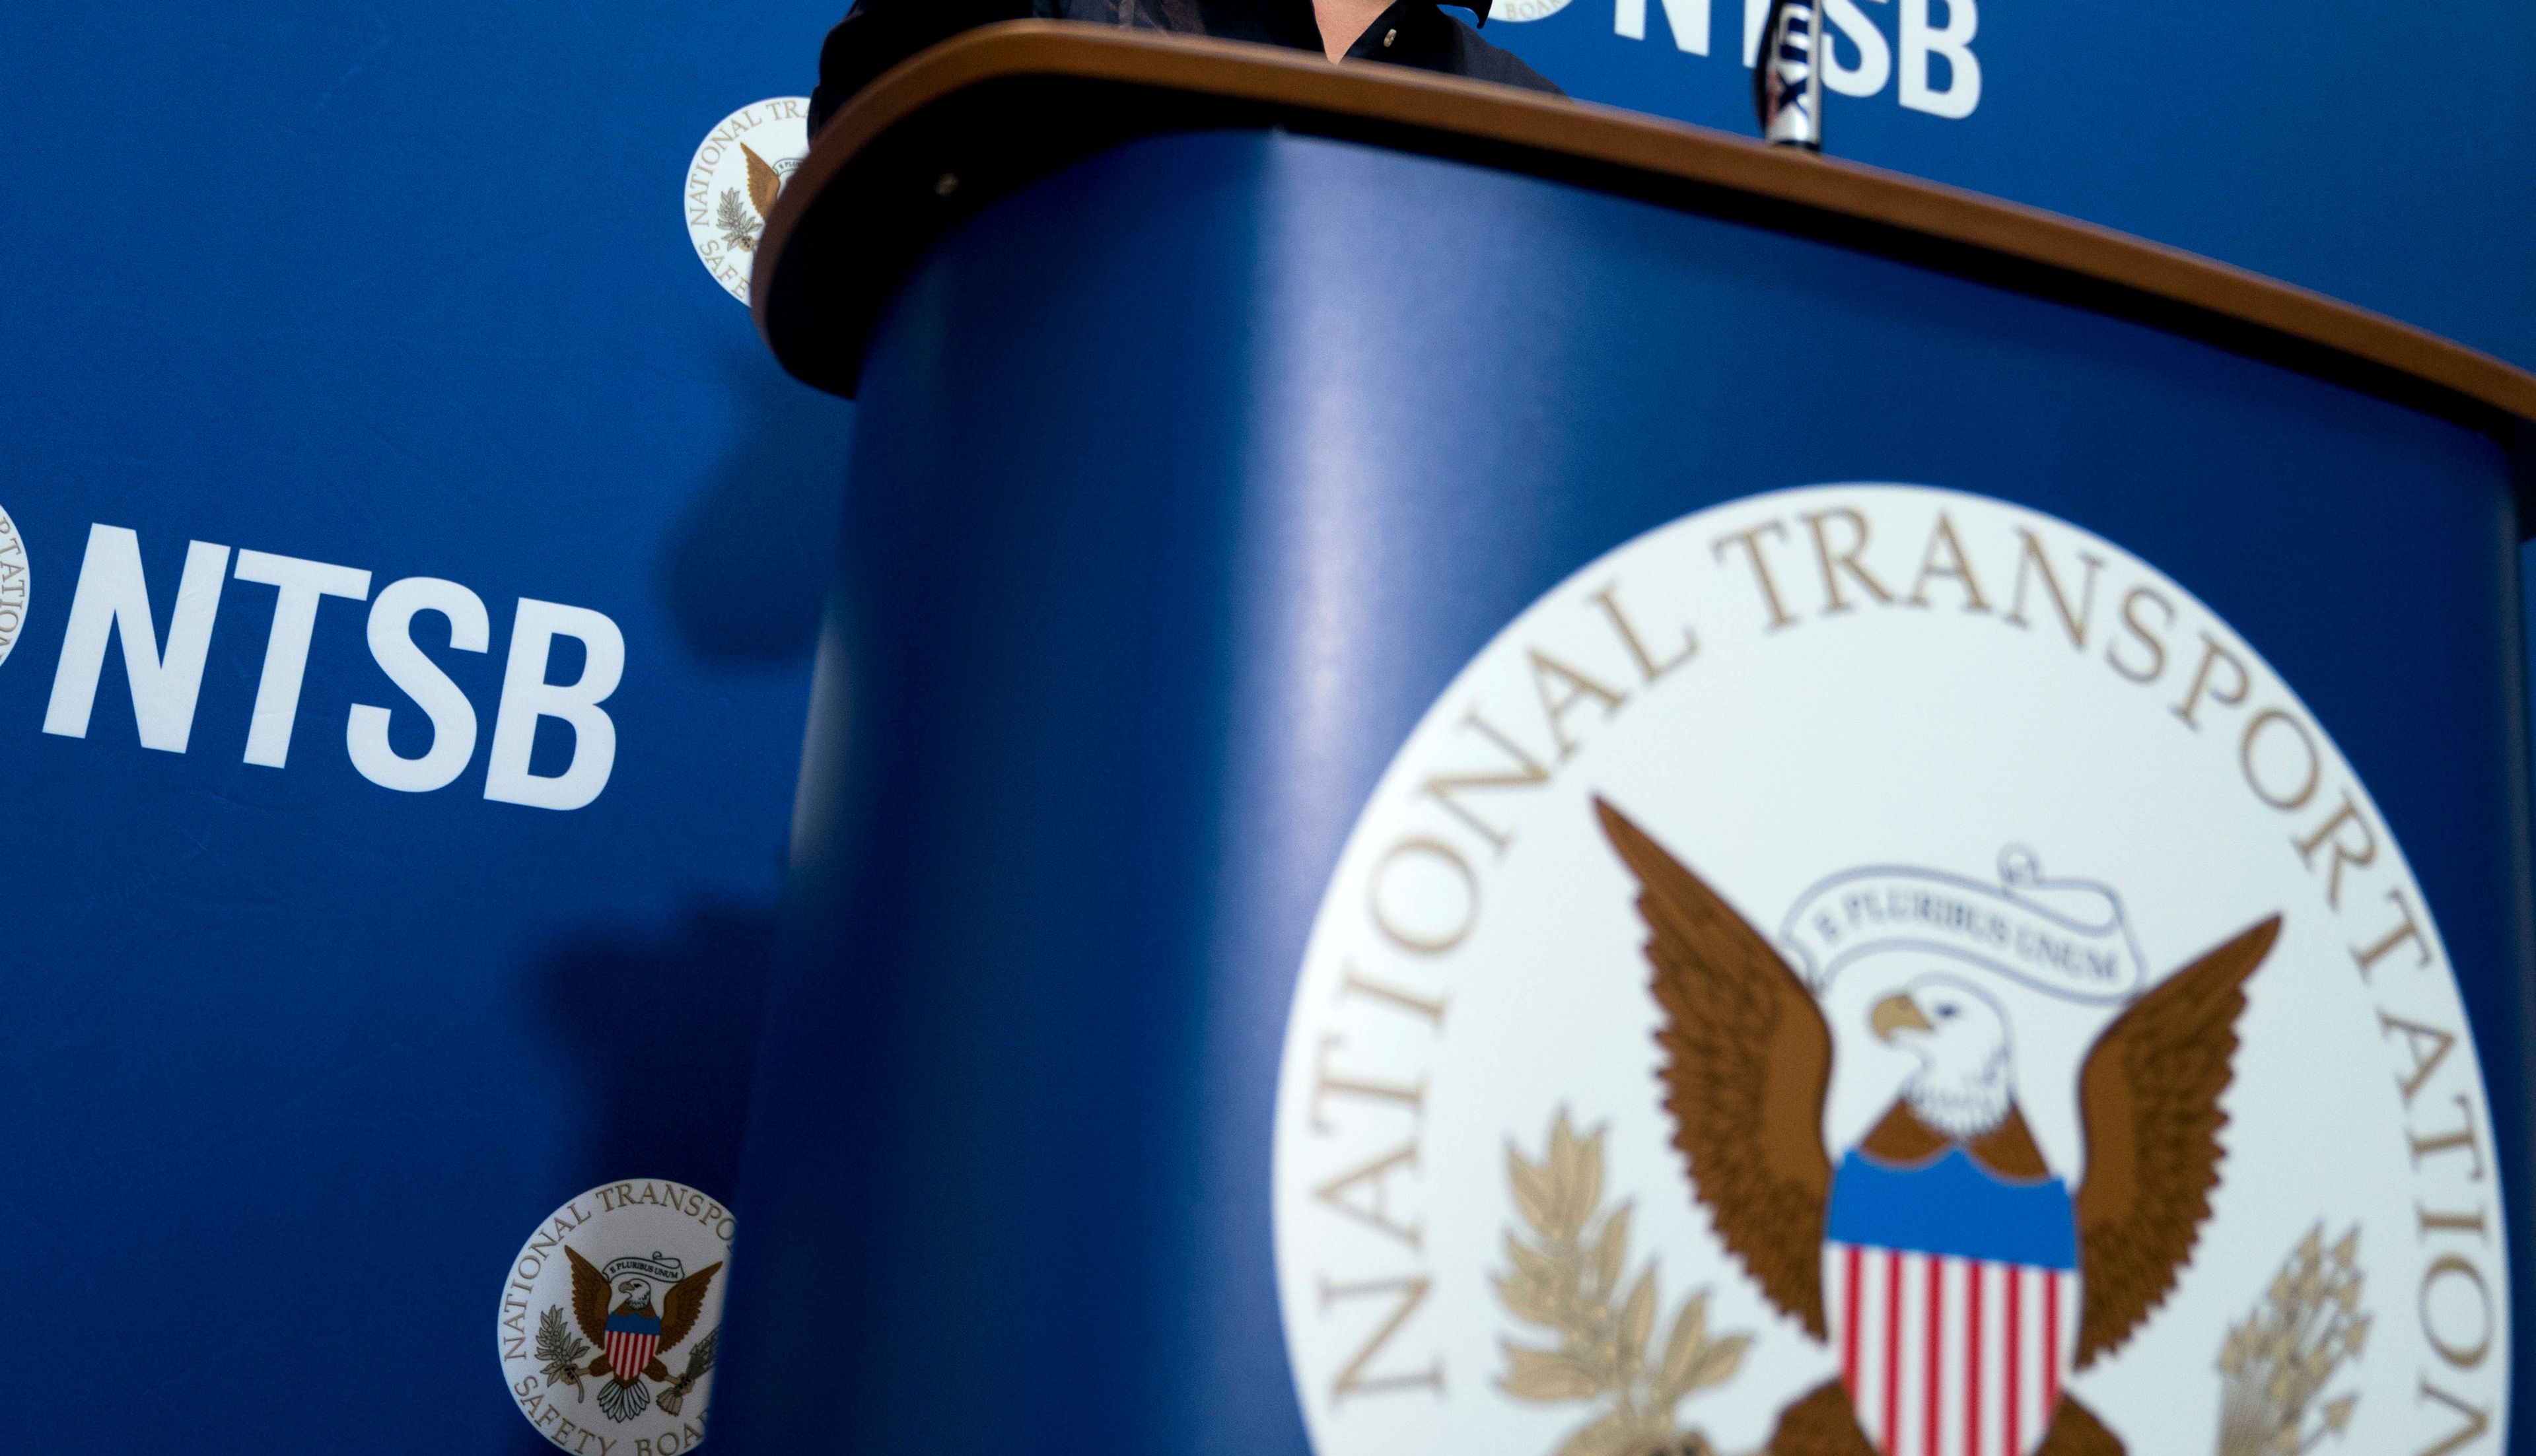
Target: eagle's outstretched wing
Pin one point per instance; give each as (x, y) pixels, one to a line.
(1748, 1065)
(683, 1304)
(588, 1297)
(2149, 1098)
(764, 182)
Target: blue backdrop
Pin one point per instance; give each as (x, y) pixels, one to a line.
(295, 1061)
(2381, 154)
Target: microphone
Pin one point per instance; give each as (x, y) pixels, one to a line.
(1787, 76)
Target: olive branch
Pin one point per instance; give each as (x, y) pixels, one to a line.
(738, 226)
(1568, 1279)
(561, 1350)
(2281, 1357)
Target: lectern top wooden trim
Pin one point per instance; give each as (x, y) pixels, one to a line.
(995, 108)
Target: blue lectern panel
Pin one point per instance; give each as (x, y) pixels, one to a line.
(1156, 561)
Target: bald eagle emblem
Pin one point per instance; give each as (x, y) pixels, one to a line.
(655, 1306)
(1958, 1279)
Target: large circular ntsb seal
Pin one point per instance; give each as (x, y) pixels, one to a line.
(612, 1318)
(1870, 969)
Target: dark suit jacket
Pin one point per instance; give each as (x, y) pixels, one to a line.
(877, 35)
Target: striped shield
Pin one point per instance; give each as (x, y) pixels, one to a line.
(1954, 1304)
(631, 1339)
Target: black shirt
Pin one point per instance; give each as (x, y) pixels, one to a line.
(877, 35)
(1415, 33)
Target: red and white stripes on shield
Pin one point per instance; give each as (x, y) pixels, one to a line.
(630, 1351)
(1945, 1356)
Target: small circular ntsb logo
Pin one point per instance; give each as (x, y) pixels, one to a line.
(734, 181)
(612, 1317)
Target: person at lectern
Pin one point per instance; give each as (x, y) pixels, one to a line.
(877, 35)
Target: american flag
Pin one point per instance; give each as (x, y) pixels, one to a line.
(1945, 1355)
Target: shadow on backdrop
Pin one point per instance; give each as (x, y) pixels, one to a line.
(661, 1032)
(660, 1029)
(748, 569)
